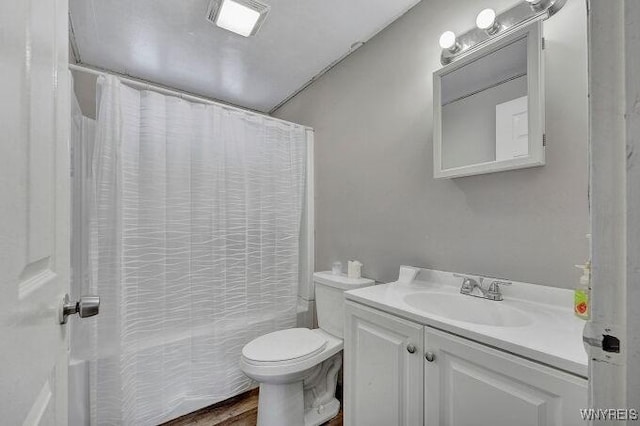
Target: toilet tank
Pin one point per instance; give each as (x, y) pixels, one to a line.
(330, 299)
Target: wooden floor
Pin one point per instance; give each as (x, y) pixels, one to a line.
(241, 410)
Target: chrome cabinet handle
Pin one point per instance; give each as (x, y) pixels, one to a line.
(411, 348)
(86, 306)
(430, 356)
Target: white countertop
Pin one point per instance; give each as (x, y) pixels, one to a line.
(552, 337)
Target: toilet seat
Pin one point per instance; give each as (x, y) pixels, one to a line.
(285, 371)
(291, 345)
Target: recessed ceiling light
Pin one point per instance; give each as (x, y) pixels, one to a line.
(242, 17)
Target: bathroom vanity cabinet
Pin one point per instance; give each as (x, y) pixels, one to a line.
(399, 372)
(384, 368)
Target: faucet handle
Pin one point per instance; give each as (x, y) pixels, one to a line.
(493, 292)
(468, 283)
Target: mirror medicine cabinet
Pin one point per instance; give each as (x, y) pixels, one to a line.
(489, 107)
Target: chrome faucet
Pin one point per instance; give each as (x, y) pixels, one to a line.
(469, 284)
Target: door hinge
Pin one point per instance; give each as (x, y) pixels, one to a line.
(543, 43)
(544, 139)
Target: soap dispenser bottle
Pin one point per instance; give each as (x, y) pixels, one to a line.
(581, 302)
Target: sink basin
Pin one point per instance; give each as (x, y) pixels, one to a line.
(458, 307)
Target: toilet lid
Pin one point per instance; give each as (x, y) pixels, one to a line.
(284, 345)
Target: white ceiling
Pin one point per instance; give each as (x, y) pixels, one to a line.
(170, 42)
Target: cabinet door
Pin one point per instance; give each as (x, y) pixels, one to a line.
(383, 372)
(469, 384)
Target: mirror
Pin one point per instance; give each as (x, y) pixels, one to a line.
(488, 107)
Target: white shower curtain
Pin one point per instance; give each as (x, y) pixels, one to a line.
(194, 249)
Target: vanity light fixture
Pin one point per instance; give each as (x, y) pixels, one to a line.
(449, 41)
(489, 24)
(242, 17)
(486, 20)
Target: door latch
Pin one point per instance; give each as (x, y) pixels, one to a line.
(607, 343)
(602, 343)
(86, 306)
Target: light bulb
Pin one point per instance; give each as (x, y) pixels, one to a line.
(486, 20)
(448, 40)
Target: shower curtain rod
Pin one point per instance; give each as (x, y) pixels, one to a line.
(146, 85)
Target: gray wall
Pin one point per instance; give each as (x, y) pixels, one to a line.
(376, 199)
(84, 86)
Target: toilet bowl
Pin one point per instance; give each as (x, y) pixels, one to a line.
(298, 368)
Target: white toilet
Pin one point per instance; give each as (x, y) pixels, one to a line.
(298, 368)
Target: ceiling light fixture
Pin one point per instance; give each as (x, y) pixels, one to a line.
(449, 41)
(242, 17)
(486, 20)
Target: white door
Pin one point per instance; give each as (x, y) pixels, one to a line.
(469, 384)
(383, 369)
(512, 129)
(34, 210)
